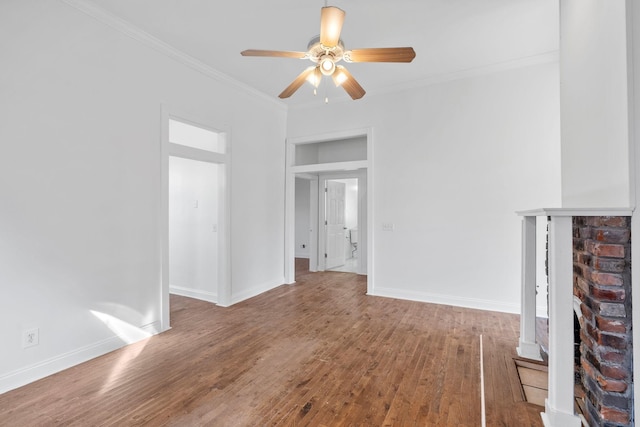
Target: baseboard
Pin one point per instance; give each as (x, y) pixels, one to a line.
(302, 255)
(194, 293)
(256, 290)
(37, 371)
(457, 301)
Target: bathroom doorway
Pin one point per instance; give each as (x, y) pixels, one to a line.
(314, 235)
(341, 224)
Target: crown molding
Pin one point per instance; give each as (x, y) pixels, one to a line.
(543, 58)
(528, 61)
(147, 39)
(166, 49)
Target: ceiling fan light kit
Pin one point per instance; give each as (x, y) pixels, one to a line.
(326, 50)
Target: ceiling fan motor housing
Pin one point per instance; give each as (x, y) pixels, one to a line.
(324, 56)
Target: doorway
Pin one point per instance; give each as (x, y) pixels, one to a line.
(193, 228)
(194, 215)
(341, 229)
(311, 211)
(336, 156)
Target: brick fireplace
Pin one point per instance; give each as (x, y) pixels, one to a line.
(602, 283)
(589, 272)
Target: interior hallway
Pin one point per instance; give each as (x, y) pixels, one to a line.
(316, 353)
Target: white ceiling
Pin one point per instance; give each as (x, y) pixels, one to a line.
(449, 36)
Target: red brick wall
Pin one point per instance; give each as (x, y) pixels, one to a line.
(602, 281)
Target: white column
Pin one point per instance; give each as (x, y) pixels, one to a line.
(527, 346)
(559, 405)
(290, 216)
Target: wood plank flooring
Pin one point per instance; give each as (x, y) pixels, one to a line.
(318, 353)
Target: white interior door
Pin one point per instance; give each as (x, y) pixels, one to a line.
(335, 224)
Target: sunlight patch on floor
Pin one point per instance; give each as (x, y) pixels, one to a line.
(129, 334)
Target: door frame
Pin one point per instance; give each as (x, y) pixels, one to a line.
(312, 181)
(364, 166)
(168, 149)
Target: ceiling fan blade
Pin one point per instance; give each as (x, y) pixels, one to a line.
(274, 53)
(381, 54)
(295, 85)
(342, 77)
(331, 20)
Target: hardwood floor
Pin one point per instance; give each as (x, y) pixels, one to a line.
(318, 353)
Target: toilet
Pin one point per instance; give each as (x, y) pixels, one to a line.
(353, 238)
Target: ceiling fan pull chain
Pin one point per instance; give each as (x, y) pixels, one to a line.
(326, 98)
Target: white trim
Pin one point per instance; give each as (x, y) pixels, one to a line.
(163, 220)
(289, 215)
(367, 239)
(255, 291)
(577, 212)
(483, 411)
(166, 49)
(329, 136)
(320, 224)
(453, 300)
(529, 350)
(313, 221)
(329, 167)
(194, 293)
(192, 153)
(37, 371)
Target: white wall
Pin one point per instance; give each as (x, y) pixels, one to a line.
(342, 151)
(303, 225)
(193, 228)
(595, 130)
(600, 71)
(452, 162)
(80, 183)
(332, 151)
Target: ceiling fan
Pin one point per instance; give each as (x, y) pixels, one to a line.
(327, 49)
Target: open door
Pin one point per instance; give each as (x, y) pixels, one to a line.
(335, 224)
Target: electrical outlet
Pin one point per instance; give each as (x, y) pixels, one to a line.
(30, 337)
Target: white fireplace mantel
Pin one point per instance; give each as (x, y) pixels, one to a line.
(559, 404)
